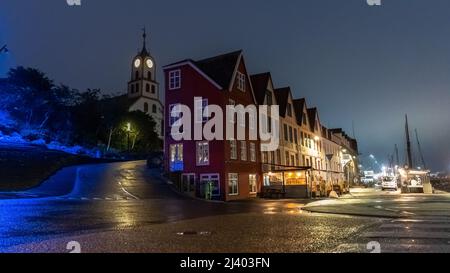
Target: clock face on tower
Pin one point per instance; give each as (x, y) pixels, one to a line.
(149, 63)
(137, 63)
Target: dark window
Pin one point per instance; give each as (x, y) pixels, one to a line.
(154, 108)
(286, 137)
(289, 110)
(145, 107)
(269, 98)
(137, 75)
(149, 75)
(153, 89)
(137, 87)
(132, 88)
(147, 88)
(291, 139)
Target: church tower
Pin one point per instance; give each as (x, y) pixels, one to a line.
(143, 89)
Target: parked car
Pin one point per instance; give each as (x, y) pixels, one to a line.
(155, 160)
(389, 183)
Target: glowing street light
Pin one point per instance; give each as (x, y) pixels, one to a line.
(128, 135)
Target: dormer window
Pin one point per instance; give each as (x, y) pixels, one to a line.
(269, 98)
(289, 109)
(241, 81)
(174, 79)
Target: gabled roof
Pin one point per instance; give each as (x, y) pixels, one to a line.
(299, 105)
(282, 96)
(220, 68)
(312, 113)
(260, 82)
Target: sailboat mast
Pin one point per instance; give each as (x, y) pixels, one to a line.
(420, 151)
(397, 159)
(408, 145)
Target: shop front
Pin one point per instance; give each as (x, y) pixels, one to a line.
(291, 183)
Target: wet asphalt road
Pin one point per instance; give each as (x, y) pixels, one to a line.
(408, 223)
(122, 207)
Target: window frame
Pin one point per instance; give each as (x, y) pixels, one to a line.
(200, 148)
(235, 186)
(175, 79)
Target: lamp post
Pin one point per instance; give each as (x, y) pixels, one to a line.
(128, 136)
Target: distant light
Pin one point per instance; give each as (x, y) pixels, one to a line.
(128, 127)
(316, 138)
(344, 150)
(372, 156)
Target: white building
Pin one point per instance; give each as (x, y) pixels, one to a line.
(143, 89)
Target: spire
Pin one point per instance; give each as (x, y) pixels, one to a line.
(144, 51)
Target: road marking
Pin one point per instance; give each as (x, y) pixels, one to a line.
(407, 235)
(417, 225)
(394, 248)
(127, 192)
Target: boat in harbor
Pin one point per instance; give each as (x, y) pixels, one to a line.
(414, 179)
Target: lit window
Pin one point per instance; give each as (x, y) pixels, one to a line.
(176, 157)
(174, 79)
(202, 153)
(233, 149)
(252, 152)
(252, 183)
(233, 184)
(241, 81)
(243, 151)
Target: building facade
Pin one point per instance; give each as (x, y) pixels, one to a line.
(232, 167)
(311, 160)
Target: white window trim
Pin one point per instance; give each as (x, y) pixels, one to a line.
(241, 81)
(252, 152)
(237, 184)
(205, 113)
(256, 183)
(175, 74)
(233, 143)
(197, 146)
(244, 151)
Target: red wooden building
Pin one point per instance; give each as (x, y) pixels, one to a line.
(232, 166)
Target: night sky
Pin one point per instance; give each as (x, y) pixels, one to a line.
(370, 65)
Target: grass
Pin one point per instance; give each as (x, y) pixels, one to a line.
(25, 167)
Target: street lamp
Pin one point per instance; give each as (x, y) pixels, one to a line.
(128, 135)
(4, 49)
